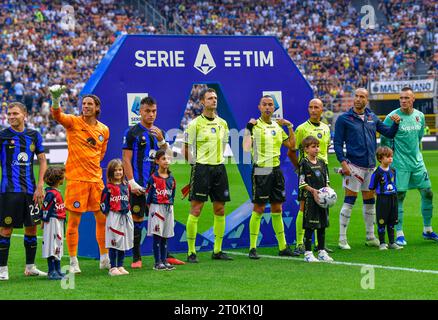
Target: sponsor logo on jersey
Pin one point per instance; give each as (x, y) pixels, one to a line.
(91, 141)
(22, 160)
(59, 206)
(163, 192)
(119, 198)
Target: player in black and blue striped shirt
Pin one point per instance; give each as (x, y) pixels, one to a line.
(140, 144)
(19, 196)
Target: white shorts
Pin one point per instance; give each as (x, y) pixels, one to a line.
(53, 238)
(359, 180)
(119, 231)
(161, 220)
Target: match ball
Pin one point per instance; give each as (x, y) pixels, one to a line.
(327, 197)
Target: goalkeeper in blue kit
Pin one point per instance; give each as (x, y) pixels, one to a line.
(411, 172)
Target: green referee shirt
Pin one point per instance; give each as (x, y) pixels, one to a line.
(209, 138)
(267, 141)
(407, 141)
(321, 132)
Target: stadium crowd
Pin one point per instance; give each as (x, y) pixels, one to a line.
(37, 45)
(324, 38)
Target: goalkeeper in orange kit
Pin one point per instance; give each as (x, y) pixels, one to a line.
(87, 140)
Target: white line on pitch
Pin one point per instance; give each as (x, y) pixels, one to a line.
(343, 263)
(22, 236)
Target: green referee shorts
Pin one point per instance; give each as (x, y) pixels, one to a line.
(406, 180)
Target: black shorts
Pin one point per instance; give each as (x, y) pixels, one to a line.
(314, 216)
(386, 209)
(18, 209)
(268, 185)
(138, 205)
(209, 180)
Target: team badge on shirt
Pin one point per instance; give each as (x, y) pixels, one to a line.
(32, 147)
(8, 220)
(101, 138)
(213, 130)
(319, 135)
(76, 204)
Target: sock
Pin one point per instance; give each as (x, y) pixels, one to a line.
(299, 231)
(5, 243)
(400, 198)
(344, 219)
(120, 258)
(156, 245)
(254, 229)
(163, 249)
(381, 231)
(390, 234)
(426, 206)
(320, 233)
(100, 231)
(57, 264)
(218, 230)
(369, 215)
(136, 254)
(74, 261)
(192, 230)
(308, 233)
(400, 234)
(113, 257)
(103, 256)
(427, 229)
(72, 234)
(51, 264)
(277, 224)
(30, 245)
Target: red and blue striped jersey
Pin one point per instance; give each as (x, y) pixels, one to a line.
(53, 205)
(160, 190)
(17, 151)
(115, 197)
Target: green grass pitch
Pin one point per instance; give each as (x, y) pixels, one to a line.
(267, 278)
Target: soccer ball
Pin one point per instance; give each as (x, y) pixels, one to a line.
(327, 197)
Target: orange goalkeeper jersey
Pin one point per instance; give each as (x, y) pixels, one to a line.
(86, 147)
